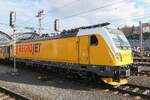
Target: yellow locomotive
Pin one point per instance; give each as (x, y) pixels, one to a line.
(96, 50)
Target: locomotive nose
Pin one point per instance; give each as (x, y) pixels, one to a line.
(126, 57)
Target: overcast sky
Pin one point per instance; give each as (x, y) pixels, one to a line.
(118, 12)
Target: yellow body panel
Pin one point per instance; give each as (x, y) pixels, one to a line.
(58, 50)
(101, 54)
(73, 50)
(126, 57)
(84, 50)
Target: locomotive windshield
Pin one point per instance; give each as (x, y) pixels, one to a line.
(119, 38)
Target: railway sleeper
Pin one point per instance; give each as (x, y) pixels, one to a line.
(131, 92)
(135, 69)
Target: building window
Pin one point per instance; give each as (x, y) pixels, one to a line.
(93, 40)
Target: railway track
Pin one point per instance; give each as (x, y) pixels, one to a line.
(133, 90)
(145, 61)
(142, 58)
(6, 94)
(146, 64)
(144, 73)
(139, 61)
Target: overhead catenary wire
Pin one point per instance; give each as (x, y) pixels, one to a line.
(98, 8)
(83, 12)
(91, 10)
(128, 18)
(132, 18)
(4, 24)
(63, 6)
(21, 28)
(17, 27)
(74, 1)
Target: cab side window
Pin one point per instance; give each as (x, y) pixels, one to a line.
(93, 40)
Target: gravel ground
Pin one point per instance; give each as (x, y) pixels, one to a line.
(55, 88)
(145, 68)
(141, 80)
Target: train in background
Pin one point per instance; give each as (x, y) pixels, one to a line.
(96, 52)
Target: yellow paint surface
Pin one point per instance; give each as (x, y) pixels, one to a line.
(59, 50)
(73, 50)
(126, 57)
(101, 54)
(84, 50)
(111, 82)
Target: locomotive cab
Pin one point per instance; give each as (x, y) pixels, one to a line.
(123, 54)
(123, 58)
(110, 51)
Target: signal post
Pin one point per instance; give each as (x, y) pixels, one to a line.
(13, 26)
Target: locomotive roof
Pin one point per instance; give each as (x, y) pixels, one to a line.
(65, 33)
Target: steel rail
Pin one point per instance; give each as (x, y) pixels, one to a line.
(133, 90)
(13, 94)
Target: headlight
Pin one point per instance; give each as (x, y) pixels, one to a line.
(118, 56)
